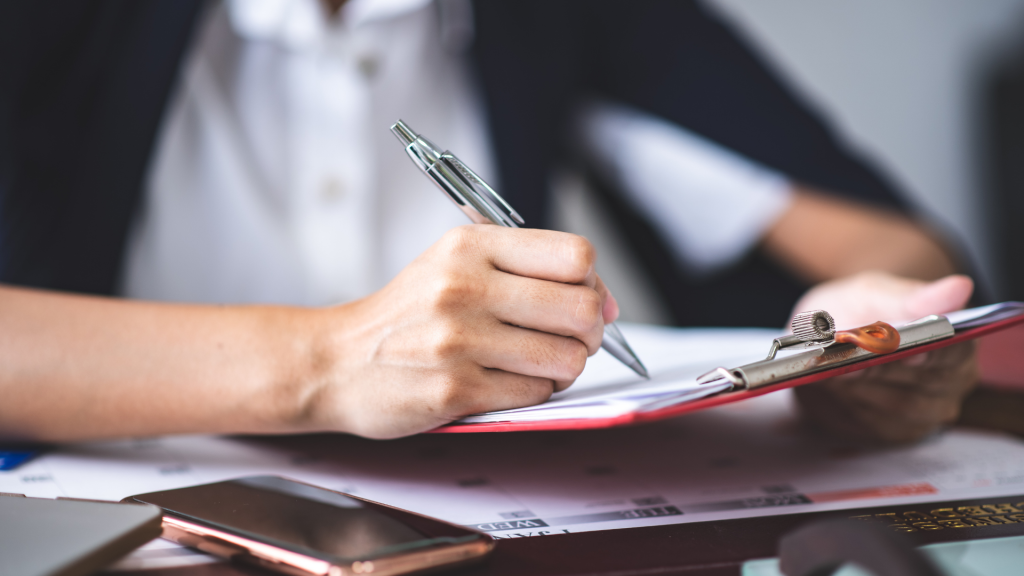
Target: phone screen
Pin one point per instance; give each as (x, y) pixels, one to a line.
(283, 511)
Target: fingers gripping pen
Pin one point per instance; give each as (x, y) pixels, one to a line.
(484, 206)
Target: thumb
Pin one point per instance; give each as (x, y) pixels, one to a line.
(944, 295)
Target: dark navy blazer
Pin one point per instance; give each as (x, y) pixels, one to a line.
(84, 85)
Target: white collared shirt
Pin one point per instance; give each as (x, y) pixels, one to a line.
(275, 178)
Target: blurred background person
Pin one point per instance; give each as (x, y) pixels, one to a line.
(237, 152)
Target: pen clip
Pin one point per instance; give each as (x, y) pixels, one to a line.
(483, 189)
(481, 203)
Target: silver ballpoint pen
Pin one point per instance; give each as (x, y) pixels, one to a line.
(484, 206)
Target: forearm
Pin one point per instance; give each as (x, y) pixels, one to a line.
(821, 238)
(489, 318)
(77, 367)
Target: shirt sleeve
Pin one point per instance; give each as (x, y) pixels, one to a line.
(679, 61)
(711, 204)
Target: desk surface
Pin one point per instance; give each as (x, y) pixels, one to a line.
(713, 548)
(704, 548)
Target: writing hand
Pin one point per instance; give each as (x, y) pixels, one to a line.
(489, 318)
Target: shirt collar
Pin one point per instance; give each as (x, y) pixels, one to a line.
(300, 23)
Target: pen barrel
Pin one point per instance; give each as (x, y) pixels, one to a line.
(459, 182)
(460, 191)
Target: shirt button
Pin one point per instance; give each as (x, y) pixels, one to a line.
(332, 190)
(368, 66)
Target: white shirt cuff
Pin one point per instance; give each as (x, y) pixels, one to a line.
(710, 203)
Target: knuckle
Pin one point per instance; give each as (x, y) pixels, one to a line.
(539, 391)
(587, 309)
(451, 292)
(560, 385)
(448, 343)
(461, 395)
(460, 240)
(580, 256)
(573, 359)
(451, 396)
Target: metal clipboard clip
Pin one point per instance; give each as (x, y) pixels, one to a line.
(816, 346)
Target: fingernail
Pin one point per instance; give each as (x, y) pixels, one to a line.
(941, 296)
(611, 309)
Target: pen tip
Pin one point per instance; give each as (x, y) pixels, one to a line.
(641, 370)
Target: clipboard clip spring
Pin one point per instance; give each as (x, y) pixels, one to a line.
(813, 332)
(814, 329)
(817, 329)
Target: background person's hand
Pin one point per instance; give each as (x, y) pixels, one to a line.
(901, 401)
(489, 318)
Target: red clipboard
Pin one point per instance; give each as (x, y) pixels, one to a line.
(960, 335)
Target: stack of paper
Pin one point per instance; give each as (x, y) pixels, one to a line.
(674, 357)
(973, 317)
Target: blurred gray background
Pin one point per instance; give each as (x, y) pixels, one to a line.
(907, 82)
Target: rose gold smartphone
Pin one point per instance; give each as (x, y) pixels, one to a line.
(300, 529)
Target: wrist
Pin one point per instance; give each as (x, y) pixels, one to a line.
(304, 355)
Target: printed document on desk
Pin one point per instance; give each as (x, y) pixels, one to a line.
(746, 459)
